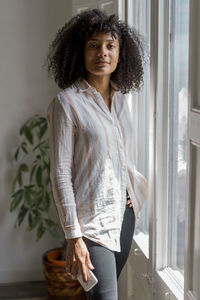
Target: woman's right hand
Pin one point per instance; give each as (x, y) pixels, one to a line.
(77, 256)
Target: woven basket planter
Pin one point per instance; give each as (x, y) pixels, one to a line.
(60, 286)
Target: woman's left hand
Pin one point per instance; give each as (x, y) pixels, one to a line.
(128, 200)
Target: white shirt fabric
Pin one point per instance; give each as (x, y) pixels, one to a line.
(91, 163)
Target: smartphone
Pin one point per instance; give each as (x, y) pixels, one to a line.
(92, 280)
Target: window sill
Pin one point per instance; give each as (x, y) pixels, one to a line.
(174, 281)
(142, 240)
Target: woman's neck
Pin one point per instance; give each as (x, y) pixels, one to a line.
(101, 84)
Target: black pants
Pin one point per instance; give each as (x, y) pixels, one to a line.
(109, 264)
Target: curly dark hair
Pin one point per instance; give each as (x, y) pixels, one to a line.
(65, 59)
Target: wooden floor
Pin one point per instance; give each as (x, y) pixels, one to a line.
(23, 290)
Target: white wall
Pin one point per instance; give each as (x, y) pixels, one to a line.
(26, 30)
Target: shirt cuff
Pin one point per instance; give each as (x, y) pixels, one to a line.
(72, 232)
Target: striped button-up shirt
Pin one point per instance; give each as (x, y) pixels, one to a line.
(91, 163)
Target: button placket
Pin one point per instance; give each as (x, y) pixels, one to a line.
(103, 104)
(120, 152)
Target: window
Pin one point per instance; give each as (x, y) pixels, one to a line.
(178, 121)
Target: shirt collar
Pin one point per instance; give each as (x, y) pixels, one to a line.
(82, 85)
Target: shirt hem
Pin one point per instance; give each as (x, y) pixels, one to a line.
(117, 249)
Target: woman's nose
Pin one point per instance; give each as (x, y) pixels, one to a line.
(102, 51)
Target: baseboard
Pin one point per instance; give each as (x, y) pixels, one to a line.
(32, 298)
(10, 276)
(35, 290)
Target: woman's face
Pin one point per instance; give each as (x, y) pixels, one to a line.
(101, 53)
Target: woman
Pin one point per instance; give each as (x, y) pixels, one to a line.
(96, 60)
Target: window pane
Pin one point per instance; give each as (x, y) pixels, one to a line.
(139, 18)
(178, 108)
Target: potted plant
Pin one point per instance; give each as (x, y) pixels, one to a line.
(32, 197)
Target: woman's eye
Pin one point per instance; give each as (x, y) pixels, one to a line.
(95, 46)
(92, 45)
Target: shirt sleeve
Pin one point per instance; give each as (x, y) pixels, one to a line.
(62, 140)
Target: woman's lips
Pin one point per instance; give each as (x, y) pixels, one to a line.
(101, 63)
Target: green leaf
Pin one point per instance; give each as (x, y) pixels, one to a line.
(41, 120)
(38, 145)
(14, 184)
(41, 209)
(21, 130)
(32, 123)
(24, 149)
(32, 172)
(40, 231)
(16, 200)
(46, 145)
(19, 177)
(22, 213)
(27, 198)
(50, 223)
(46, 202)
(16, 153)
(17, 193)
(36, 213)
(45, 157)
(24, 167)
(38, 199)
(33, 220)
(23, 127)
(39, 176)
(43, 129)
(36, 220)
(30, 186)
(28, 133)
(30, 221)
